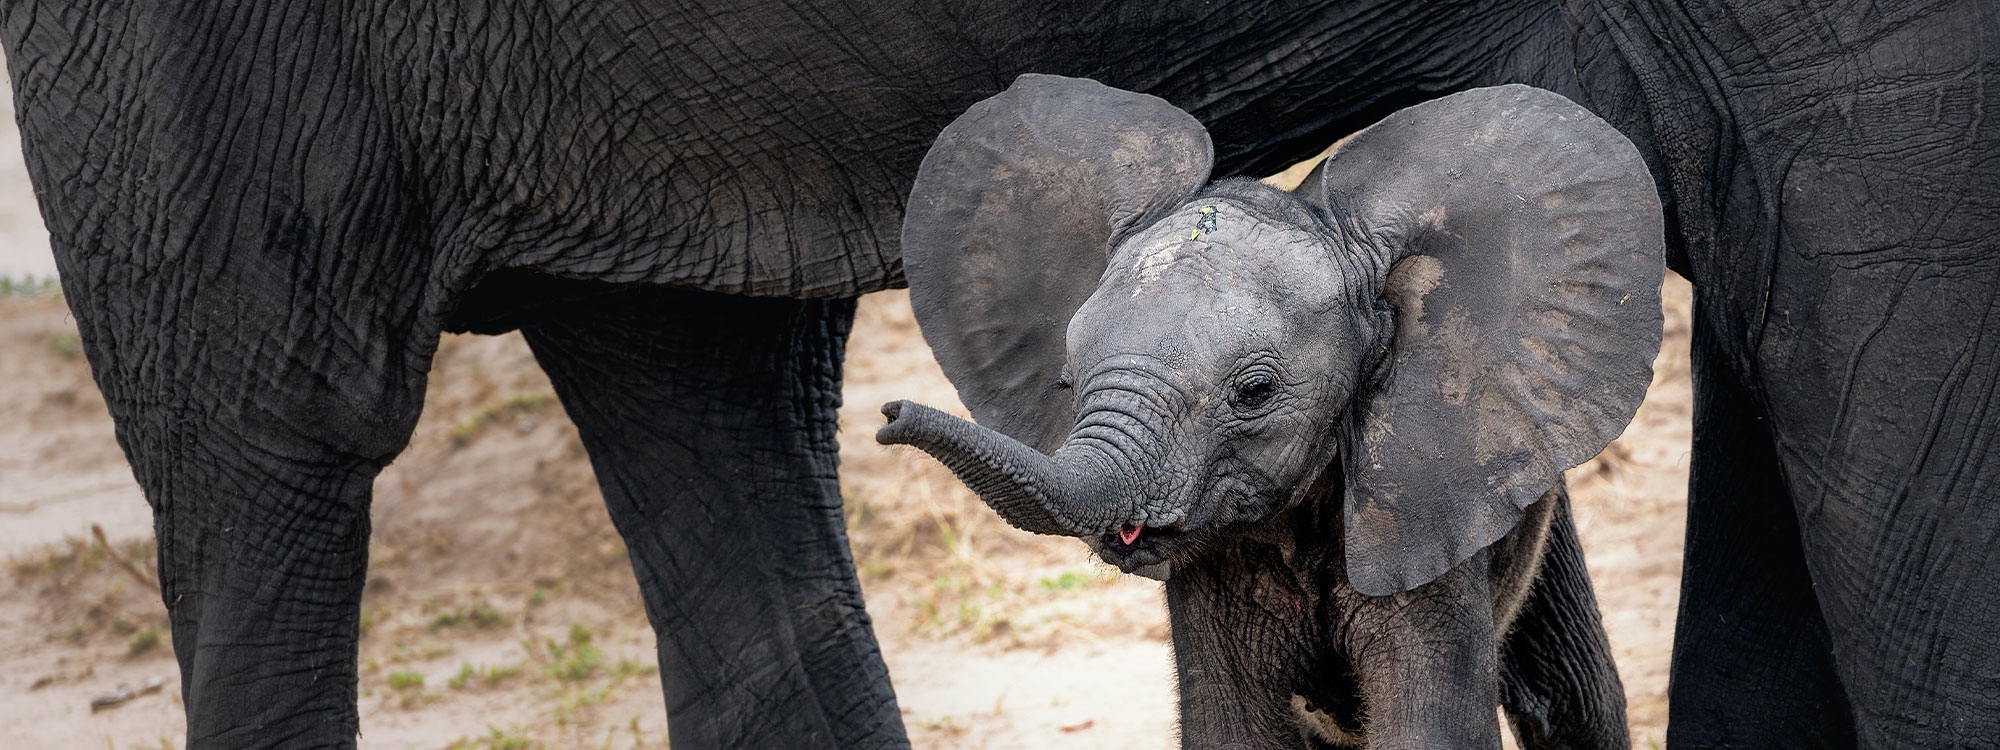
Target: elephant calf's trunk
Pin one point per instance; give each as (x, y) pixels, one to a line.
(1033, 492)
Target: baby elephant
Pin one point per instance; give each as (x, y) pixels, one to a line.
(1333, 421)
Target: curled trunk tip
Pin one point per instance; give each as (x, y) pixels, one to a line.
(1031, 491)
(897, 431)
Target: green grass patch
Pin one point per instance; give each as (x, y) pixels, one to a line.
(75, 555)
(962, 602)
(859, 511)
(629, 668)
(421, 650)
(29, 286)
(575, 705)
(143, 642)
(944, 724)
(515, 405)
(479, 616)
(513, 738)
(483, 676)
(65, 344)
(407, 679)
(577, 659)
(1068, 581)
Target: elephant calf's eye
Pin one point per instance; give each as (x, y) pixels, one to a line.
(1254, 391)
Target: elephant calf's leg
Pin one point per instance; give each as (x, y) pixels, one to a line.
(1557, 679)
(710, 421)
(1425, 661)
(1242, 633)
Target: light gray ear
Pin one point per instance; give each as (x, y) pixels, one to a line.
(1526, 246)
(1009, 228)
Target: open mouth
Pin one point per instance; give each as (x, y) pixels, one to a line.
(1134, 546)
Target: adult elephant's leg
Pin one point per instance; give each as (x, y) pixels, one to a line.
(257, 443)
(1752, 662)
(1558, 682)
(246, 245)
(710, 421)
(1853, 261)
(1884, 384)
(263, 548)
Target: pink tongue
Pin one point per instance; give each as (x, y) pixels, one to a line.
(1129, 533)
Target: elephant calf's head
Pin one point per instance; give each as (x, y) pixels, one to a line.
(1460, 303)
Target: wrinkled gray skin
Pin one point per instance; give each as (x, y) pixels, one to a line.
(1209, 379)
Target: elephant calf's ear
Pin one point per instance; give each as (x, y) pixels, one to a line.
(1525, 243)
(1009, 227)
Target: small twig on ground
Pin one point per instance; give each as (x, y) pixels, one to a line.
(119, 559)
(126, 693)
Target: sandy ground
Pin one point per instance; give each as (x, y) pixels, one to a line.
(500, 611)
(24, 242)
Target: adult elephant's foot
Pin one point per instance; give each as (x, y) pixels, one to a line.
(710, 421)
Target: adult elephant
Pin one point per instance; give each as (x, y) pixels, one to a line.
(266, 213)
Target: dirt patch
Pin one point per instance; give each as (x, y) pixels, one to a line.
(501, 611)
(24, 241)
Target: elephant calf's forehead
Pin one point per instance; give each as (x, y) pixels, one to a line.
(1213, 280)
(1222, 246)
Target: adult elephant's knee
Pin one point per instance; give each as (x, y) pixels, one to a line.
(710, 422)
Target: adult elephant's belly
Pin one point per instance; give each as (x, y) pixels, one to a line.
(785, 236)
(767, 149)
